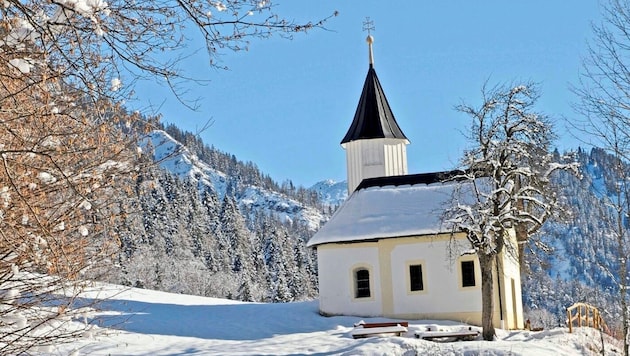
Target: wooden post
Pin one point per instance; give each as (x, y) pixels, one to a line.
(588, 311)
(596, 319)
(569, 320)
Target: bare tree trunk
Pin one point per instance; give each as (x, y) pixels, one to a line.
(623, 270)
(487, 265)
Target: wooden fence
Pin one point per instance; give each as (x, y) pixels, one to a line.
(583, 314)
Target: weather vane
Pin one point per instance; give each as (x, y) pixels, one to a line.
(368, 25)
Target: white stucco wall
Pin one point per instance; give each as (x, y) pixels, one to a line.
(388, 261)
(336, 294)
(511, 288)
(442, 282)
(442, 297)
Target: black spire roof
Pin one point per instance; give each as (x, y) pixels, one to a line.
(373, 118)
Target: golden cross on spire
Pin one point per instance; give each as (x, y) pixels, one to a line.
(368, 25)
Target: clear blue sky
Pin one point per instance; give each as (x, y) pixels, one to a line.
(286, 105)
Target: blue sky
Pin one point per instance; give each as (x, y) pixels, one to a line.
(286, 105)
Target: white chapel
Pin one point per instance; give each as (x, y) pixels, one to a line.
(385, 252)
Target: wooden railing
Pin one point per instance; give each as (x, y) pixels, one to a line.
(584, 314)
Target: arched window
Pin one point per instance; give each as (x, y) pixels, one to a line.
(362, 283)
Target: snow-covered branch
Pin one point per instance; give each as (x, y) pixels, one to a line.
(102, 47)
(504, 193)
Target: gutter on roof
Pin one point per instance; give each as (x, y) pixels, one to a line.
(412, 179)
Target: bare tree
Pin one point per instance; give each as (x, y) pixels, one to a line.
(507, 169)
(604, 92)
(67, 149)
(94, 44)
(60, 169)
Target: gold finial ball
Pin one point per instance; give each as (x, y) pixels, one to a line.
(369, 39)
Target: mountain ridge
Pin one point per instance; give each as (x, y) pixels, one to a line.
(179, 160)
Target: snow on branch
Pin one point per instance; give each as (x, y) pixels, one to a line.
(509, 165)
(98, 45)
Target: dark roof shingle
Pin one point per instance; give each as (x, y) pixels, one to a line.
(374, 117)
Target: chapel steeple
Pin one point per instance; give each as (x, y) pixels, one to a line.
(375, 145)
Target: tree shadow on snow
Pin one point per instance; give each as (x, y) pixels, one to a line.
(242, 321)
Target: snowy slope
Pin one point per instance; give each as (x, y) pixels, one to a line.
(144, 322)
(330, 192)
(174, 157)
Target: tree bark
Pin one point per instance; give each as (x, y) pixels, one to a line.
(623, 264)
(487, 265)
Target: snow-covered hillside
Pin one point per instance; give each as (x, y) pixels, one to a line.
(330, 192)
(144, 322)
(174, 157)
(575, 258)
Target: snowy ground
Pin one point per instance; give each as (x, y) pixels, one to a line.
(143, 322)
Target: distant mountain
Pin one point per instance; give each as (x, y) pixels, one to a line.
(331, 193)
(179, 160)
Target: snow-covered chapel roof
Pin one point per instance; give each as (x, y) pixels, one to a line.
(388, 207)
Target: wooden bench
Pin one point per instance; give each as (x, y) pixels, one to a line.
(362, 330)
(465, 334)
(383, 324)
